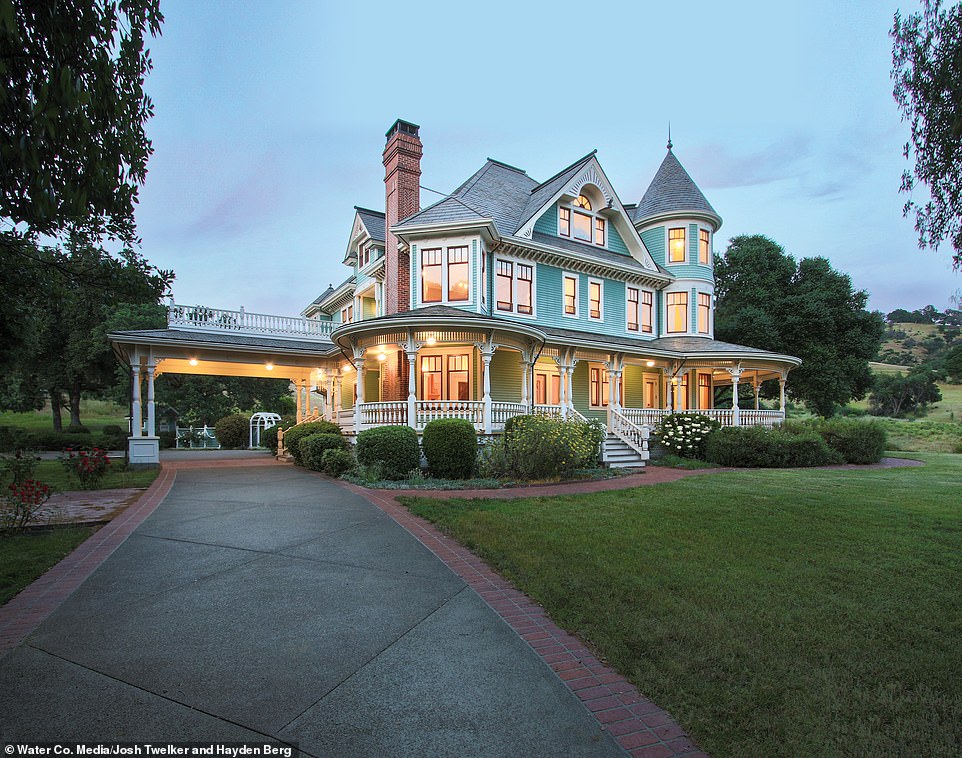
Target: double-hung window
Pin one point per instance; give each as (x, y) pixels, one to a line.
(598, 387)
(570, 295)
(647, 311)
(676, 245)
(458, 273)
(704, 312)
(514, 287)
(431, 275)
(677, 312)
(445, 377)
(347, 314)
(445, 274)
(704, 392)
(704, 250)
(632, 308)
(595, 299)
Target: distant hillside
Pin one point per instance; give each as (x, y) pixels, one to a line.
(910, 344)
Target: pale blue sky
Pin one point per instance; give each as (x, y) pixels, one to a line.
(270, 121)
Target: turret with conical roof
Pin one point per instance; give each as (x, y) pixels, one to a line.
(673, 193)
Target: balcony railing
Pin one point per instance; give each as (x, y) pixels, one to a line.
(203, 319)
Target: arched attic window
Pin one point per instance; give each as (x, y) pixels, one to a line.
(580, 219)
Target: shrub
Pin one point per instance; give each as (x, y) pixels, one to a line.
(114, 429)
(167, 440)
(14, 438)
(89, 466)
(233, 432)
(18, 467)
(540, 447)
(21, 501)
(451, 447)
(311, 449)
(337, 462)
(686, 434)
(756, 447)
(395, 448)
(859, 442)
(294, 435)
(48, 439)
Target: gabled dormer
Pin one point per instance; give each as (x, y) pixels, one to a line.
(366, 244)
(579, 206)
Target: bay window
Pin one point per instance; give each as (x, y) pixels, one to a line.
(445, 274)
(431, 275)
(458, 273)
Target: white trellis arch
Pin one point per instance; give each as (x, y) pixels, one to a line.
(260, 422)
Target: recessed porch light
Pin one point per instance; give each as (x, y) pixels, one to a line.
(192, 361)
(269, 366)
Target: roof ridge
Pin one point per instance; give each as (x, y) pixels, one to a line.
(508, 166)
(565, 169)
(369, 210)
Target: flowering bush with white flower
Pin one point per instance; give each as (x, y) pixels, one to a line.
(686, 434)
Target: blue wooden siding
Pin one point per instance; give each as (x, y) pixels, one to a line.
(550, 303)
(654, 240)
(693, 307)
(615, 243)
(547, 222)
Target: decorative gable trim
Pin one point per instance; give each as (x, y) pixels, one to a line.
(359, 234)
(593, 174)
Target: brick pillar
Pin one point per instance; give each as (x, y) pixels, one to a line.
(402, 175)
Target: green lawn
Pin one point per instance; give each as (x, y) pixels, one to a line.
(94, 414)
(24, 557)
(787, 612)
(54, 474)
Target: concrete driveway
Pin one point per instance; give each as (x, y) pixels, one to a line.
(266, 602)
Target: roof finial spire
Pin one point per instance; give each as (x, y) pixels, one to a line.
(669, 135)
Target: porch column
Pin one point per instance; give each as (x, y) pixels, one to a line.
(136, 418)
(755, 387)
(299, 413)
(562, 391)
(338, 399)
(736, 416)
(412, 356)
(151, 416)
(330, 397)
(781, 394)
(525, 378)
(617, 389)
(361, 374)
(486, 356)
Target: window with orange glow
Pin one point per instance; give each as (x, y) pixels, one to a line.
(676, 245)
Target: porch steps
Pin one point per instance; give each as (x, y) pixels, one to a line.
(619, 454)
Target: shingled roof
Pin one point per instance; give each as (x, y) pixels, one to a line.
(496, 191)
(672, 190)
(373, 222)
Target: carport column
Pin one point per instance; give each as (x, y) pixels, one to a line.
(736, 415)
(412, 356)
(487, 352)
(151, 417)
(137, 419)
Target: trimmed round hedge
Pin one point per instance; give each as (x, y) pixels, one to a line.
(295, 434)
(451, 447)
(313, 447)
(337, 462)
(394, 448)
(233, 431)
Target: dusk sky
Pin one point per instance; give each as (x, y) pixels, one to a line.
(270, 122)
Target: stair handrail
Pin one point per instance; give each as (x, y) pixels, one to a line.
(636, 437)
(281, 450)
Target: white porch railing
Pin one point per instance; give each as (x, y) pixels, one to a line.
(501, 412)
(390, 413)
(724, 416)
(554, 411)
(633, 435)
(203, 319)
(431, 410)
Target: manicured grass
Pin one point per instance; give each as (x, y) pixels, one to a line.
(24, 557)
(94, 414)
(54, 474)
(772, 613)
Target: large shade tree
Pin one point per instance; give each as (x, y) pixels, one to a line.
(927, 74)
(766, 299)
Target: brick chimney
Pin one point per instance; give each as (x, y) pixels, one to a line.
(402, 173)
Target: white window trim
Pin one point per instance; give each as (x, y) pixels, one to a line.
(593, 215)
(514, 286)
(654, 312)
(638, 303)
(710, 256)
(667, 321)
(601, 299)
(668, 260)
(444, 352)
(711, 313)
(577, 278)
(444, 247)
